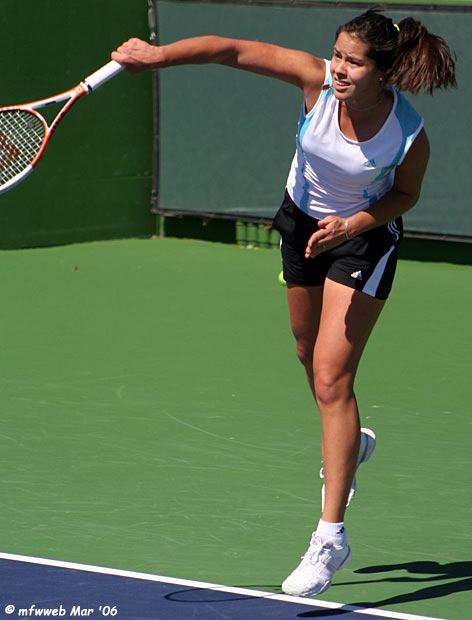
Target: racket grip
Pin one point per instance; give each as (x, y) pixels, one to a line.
(104, 74)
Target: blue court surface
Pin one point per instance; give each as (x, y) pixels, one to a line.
(35, 587)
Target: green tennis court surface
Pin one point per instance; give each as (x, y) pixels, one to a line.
(155, 419)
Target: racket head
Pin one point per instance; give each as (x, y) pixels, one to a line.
(23, 134)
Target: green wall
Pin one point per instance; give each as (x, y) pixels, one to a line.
(95, 179)
(227, 137)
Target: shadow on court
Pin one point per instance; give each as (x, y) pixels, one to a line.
(211, 597)
(327, 613)
(458, 574)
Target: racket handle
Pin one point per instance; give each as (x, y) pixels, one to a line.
(104, 74)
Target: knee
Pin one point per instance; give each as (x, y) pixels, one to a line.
(331, 387)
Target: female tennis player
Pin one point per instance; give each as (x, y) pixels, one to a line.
(361, 155)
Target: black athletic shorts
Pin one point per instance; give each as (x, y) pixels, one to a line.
(366, 263)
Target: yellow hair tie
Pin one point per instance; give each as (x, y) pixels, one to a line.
(397, 27)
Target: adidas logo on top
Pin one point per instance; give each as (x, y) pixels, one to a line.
(357, 275)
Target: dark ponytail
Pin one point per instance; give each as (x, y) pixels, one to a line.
(409, 56)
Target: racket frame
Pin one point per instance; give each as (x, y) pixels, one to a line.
(89, 84)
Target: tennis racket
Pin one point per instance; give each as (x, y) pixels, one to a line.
(24, 133)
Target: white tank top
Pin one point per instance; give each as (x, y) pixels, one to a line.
(333, 175)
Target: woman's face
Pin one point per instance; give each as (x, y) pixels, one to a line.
(355, 77)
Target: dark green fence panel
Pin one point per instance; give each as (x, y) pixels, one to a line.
(95, 179)
(227, 137)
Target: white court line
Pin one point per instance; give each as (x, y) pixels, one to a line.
(212, 586)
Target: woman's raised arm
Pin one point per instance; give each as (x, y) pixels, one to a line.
(293, 66)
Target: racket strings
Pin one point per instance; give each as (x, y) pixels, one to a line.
(21, 136)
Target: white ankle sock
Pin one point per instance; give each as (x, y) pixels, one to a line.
(335, 532)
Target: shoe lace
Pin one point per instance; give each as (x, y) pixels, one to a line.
(317, 550)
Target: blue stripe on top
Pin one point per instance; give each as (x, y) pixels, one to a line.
(411, 124)
(303, 124)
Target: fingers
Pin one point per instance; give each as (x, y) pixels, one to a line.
(315, 246)
(125, 51)
(330, 234)
(136, 54)
(314, 250)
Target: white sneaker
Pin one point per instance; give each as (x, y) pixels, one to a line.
(365, 451)
(314, 573)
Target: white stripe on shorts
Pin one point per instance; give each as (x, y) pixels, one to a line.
(373, 282)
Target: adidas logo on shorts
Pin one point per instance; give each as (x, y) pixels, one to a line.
(357, 275)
